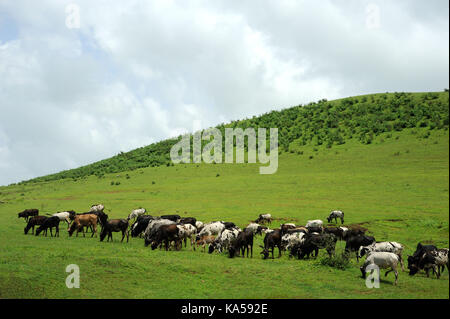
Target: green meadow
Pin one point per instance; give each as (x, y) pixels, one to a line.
(397, 186)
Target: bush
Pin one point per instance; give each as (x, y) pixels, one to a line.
(341, 261)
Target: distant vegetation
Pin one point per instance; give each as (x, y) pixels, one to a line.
(319, 123)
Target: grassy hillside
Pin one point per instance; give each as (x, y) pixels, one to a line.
(396, 186)
(326, 123)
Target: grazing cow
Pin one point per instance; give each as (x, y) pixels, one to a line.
(81, 221)
(421, 249)
(97, 208)
(136, 213)
(115, 225)
(355, 242)
(50, 222)
(288, 240)
(339, 232)
(335, 214)
(140, 225)
(312, 243)
(384, 260)
(387, 246)
(256, 228)
(205, 240)
(33, 221)
(429, 259)
(186, 231)
(166, 234)
(65, 216)
(272, 240)
(223, 240)
(243, 241)
(212, 228)
(188, 220)
(174, 218)
(264, 218)
(27, 213)
(101, 218)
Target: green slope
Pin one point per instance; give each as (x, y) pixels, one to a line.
(397, 186)
(323, 123)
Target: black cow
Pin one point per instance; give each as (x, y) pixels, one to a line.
(50, 222)
(166, 234)
(27, 213)
(414, 261)
(173, 218)
(188, 220)
(314, 242)
(140, 225)
(285, 227)
(272, 240)
(353, 243)
(115, 225)
(34, 221)
(243, 241)
(229, 225)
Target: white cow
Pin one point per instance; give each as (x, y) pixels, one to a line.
(383, 260)
(289, 240)
(212, 228)
(97, 208)
(135, 213)
(186, 231)
(314, 223)
(224, 239)
(256, 228)
(386, 246)
(199, 225)
(335, 214)
(64, 216)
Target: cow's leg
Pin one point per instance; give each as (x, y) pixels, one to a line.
(396, 276)
(123, 236)
(95, 230)
(401, 262)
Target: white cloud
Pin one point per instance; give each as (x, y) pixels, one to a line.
(138, 71)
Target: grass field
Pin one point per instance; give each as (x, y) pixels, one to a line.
(397, 187)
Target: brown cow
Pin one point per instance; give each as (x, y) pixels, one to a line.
(205, 240)
(82, 221)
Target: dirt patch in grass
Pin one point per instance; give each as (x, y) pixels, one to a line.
(67, 198)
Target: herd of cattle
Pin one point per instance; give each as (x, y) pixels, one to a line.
(221, 236)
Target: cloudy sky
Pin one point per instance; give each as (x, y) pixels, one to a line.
(83, 80)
